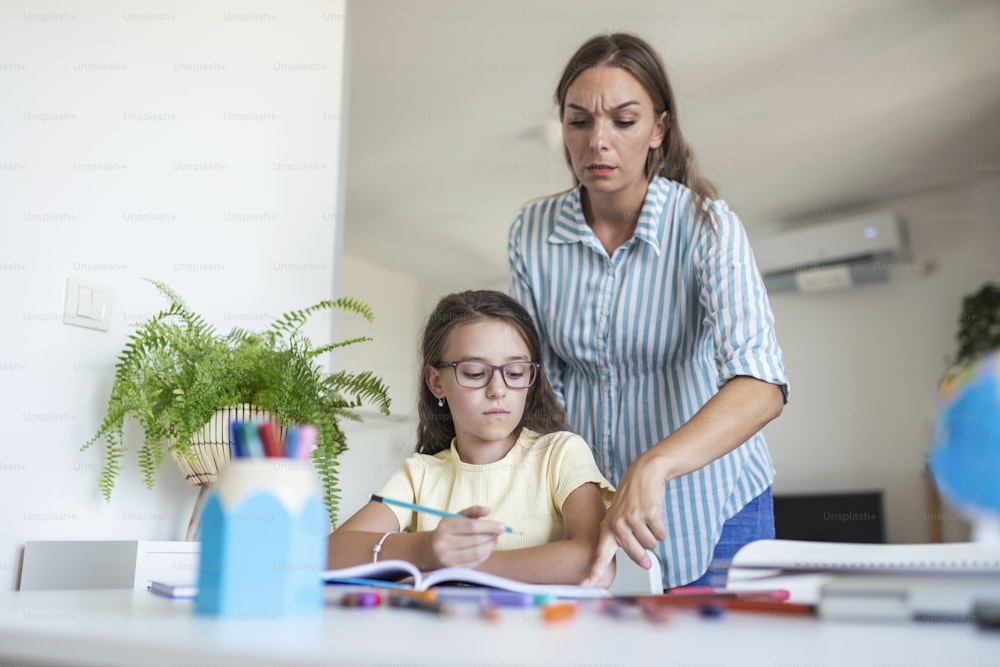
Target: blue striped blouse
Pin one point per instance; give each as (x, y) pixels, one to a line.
(636, 343)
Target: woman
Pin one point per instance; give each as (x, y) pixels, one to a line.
(658, 335)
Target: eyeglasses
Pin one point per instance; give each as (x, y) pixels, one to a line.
(476, 374)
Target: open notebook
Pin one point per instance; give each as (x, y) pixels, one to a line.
(395, 571)
(630, 579)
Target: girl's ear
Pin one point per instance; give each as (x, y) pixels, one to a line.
(432, 378)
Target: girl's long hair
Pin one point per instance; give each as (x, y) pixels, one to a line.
(542, 412)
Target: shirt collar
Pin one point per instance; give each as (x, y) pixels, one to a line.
(571, 226)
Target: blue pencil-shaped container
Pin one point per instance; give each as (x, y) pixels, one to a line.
(263, 541)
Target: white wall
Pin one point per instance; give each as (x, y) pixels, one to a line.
(864, 363)
(378, 444)
(197, 143)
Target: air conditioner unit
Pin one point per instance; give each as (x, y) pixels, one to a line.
(832, 255)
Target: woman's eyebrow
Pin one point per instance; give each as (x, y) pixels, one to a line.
(621, 106)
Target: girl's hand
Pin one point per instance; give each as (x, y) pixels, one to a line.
(464, 542)
(635, 519)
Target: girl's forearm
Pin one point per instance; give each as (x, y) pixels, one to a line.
(353, 547)
(563, 562)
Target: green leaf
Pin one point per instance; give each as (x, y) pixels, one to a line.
(175, 371)
(979, 324)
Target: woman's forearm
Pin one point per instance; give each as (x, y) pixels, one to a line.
(742, 407)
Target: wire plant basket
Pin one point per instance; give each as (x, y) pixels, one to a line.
(209, 453)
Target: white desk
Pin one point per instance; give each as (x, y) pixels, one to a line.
(134, 627)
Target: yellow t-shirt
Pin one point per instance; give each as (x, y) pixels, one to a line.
(524, 490)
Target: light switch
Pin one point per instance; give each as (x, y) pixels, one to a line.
(87, 304)
(84, 299)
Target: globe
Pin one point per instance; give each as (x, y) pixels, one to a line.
(964, 453)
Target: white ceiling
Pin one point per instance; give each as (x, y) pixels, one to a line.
(796, 109)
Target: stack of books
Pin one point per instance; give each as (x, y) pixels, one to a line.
(848, 581)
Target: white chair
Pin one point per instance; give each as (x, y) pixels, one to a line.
(630, 579)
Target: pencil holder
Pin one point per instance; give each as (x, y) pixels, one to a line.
(263, 541)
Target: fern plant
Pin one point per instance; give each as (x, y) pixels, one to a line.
(176, 370)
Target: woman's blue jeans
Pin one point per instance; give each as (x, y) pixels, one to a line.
(754, 522)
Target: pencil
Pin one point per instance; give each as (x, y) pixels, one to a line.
(770, 607)
(729, 603)
(428, 510)
(770, 594)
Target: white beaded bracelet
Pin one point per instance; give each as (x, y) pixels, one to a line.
(377, 549)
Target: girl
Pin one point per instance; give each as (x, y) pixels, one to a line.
(492, 441)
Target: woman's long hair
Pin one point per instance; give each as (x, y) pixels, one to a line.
(542, 412)
(674, 159)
